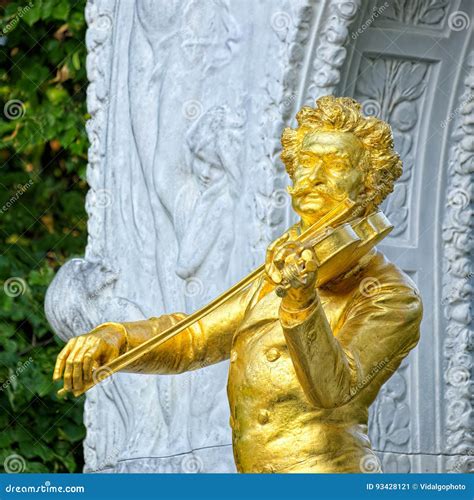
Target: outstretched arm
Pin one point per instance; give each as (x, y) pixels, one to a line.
(206, 342)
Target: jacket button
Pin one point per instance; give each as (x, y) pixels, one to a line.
(263, 417)
(272, 354)
(233, 356)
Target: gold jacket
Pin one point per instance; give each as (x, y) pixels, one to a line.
(300, 382)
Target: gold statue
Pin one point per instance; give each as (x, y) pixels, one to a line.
(313, 336)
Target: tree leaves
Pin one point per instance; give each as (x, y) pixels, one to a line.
(43, 153)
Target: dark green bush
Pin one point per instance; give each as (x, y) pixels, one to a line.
(43, 149)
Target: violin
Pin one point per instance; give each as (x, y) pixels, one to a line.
(337, 242)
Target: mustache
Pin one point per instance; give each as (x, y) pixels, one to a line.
(306, 187)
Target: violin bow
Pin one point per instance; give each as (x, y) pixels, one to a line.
(335, 216)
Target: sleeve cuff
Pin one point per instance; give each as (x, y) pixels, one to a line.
(293, 316)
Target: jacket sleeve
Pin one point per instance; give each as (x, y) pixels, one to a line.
(204, 343)
(376, 334)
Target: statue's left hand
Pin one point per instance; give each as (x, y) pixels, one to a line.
(83, 354)
(293, 271)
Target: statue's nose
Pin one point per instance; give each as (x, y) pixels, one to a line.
(317, 175)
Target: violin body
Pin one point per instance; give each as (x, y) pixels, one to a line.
(344, 246)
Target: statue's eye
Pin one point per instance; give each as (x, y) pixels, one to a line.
(307, 161)
(338, 164)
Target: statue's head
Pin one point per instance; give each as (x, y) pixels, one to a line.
(337, 152)
(214, 143)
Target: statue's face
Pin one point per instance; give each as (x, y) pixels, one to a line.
(328, 171)
(207, 173)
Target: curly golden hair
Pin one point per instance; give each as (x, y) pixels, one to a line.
(344, 114)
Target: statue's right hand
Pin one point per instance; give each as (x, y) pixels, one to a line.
(83, 354)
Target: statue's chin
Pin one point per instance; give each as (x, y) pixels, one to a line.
(312, 210)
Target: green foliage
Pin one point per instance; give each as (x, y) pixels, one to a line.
(43, 155)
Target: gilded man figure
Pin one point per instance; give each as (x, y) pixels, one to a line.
(305, 367)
